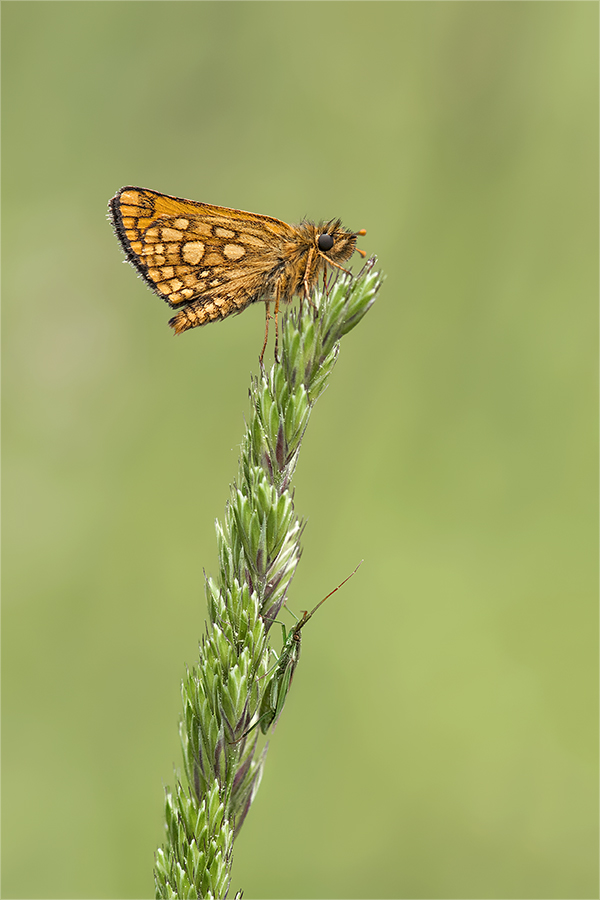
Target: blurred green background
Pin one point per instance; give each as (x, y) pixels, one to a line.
(440, 737)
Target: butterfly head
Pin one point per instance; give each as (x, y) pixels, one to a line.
(334, 243)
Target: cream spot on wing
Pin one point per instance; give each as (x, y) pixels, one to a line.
(251, 240)
(129, 197)
(214, 283)
(163, 288)
(154, 274)
(176, 284)
(192, 252)
(187, 293)
(171, 234)
(181, 223)
(136, 246)
(233, 251)
(167, 272)
(200, 228)
(152, 234)
(213, 259)
(224, 233)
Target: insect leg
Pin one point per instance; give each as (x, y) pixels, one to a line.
(326, 280)
(277, 293)
(305, 279)
(341, 268)
(268, 316)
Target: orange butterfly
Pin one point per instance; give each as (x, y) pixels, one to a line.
(209, 262)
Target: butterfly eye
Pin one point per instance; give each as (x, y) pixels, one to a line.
(325, 242)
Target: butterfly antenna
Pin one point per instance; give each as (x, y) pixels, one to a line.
(361, 233)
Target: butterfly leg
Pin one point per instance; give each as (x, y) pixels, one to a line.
(268, 316)
(277, 294)
(341, 268)
(325, 281)
(305, 280)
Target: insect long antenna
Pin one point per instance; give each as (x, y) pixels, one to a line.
(307, 615)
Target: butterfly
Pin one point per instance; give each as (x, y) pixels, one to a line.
(210, 262)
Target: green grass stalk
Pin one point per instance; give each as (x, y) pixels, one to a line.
(259, 549)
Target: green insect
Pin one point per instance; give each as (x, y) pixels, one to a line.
(277, 689)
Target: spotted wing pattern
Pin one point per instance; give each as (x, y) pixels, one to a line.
(213, 259)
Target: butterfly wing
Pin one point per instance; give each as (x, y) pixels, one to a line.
(213, 259)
